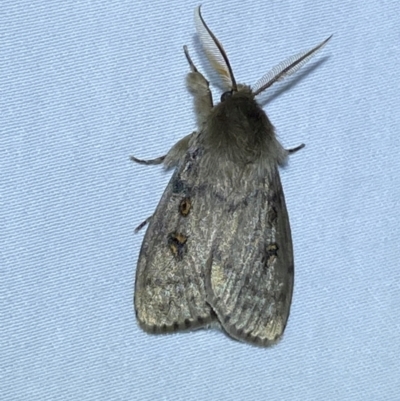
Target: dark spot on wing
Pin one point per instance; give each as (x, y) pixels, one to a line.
(272, 249)
(272, 215)
(184, 206)
(194, 153)
(291, 269)
(270, 255)
(282, 298)
(177, 244)
(178, 186)
(273, 198)
(227, 319)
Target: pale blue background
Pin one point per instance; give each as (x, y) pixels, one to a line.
(84, 84)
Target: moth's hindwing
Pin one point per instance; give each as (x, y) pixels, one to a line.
(249, 275)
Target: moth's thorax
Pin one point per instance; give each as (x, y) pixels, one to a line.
(238, 128)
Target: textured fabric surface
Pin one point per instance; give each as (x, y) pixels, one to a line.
(84, 84)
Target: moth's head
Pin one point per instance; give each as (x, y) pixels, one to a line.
(241, 91)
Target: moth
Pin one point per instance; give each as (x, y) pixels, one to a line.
(218, 249)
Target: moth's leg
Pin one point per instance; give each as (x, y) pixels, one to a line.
(142, 224)
(178, 151)
(171, 159)
(283, 153)
(199, 87)
(159, 160)
(294, 150)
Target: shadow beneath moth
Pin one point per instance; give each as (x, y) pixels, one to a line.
(218, 249)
